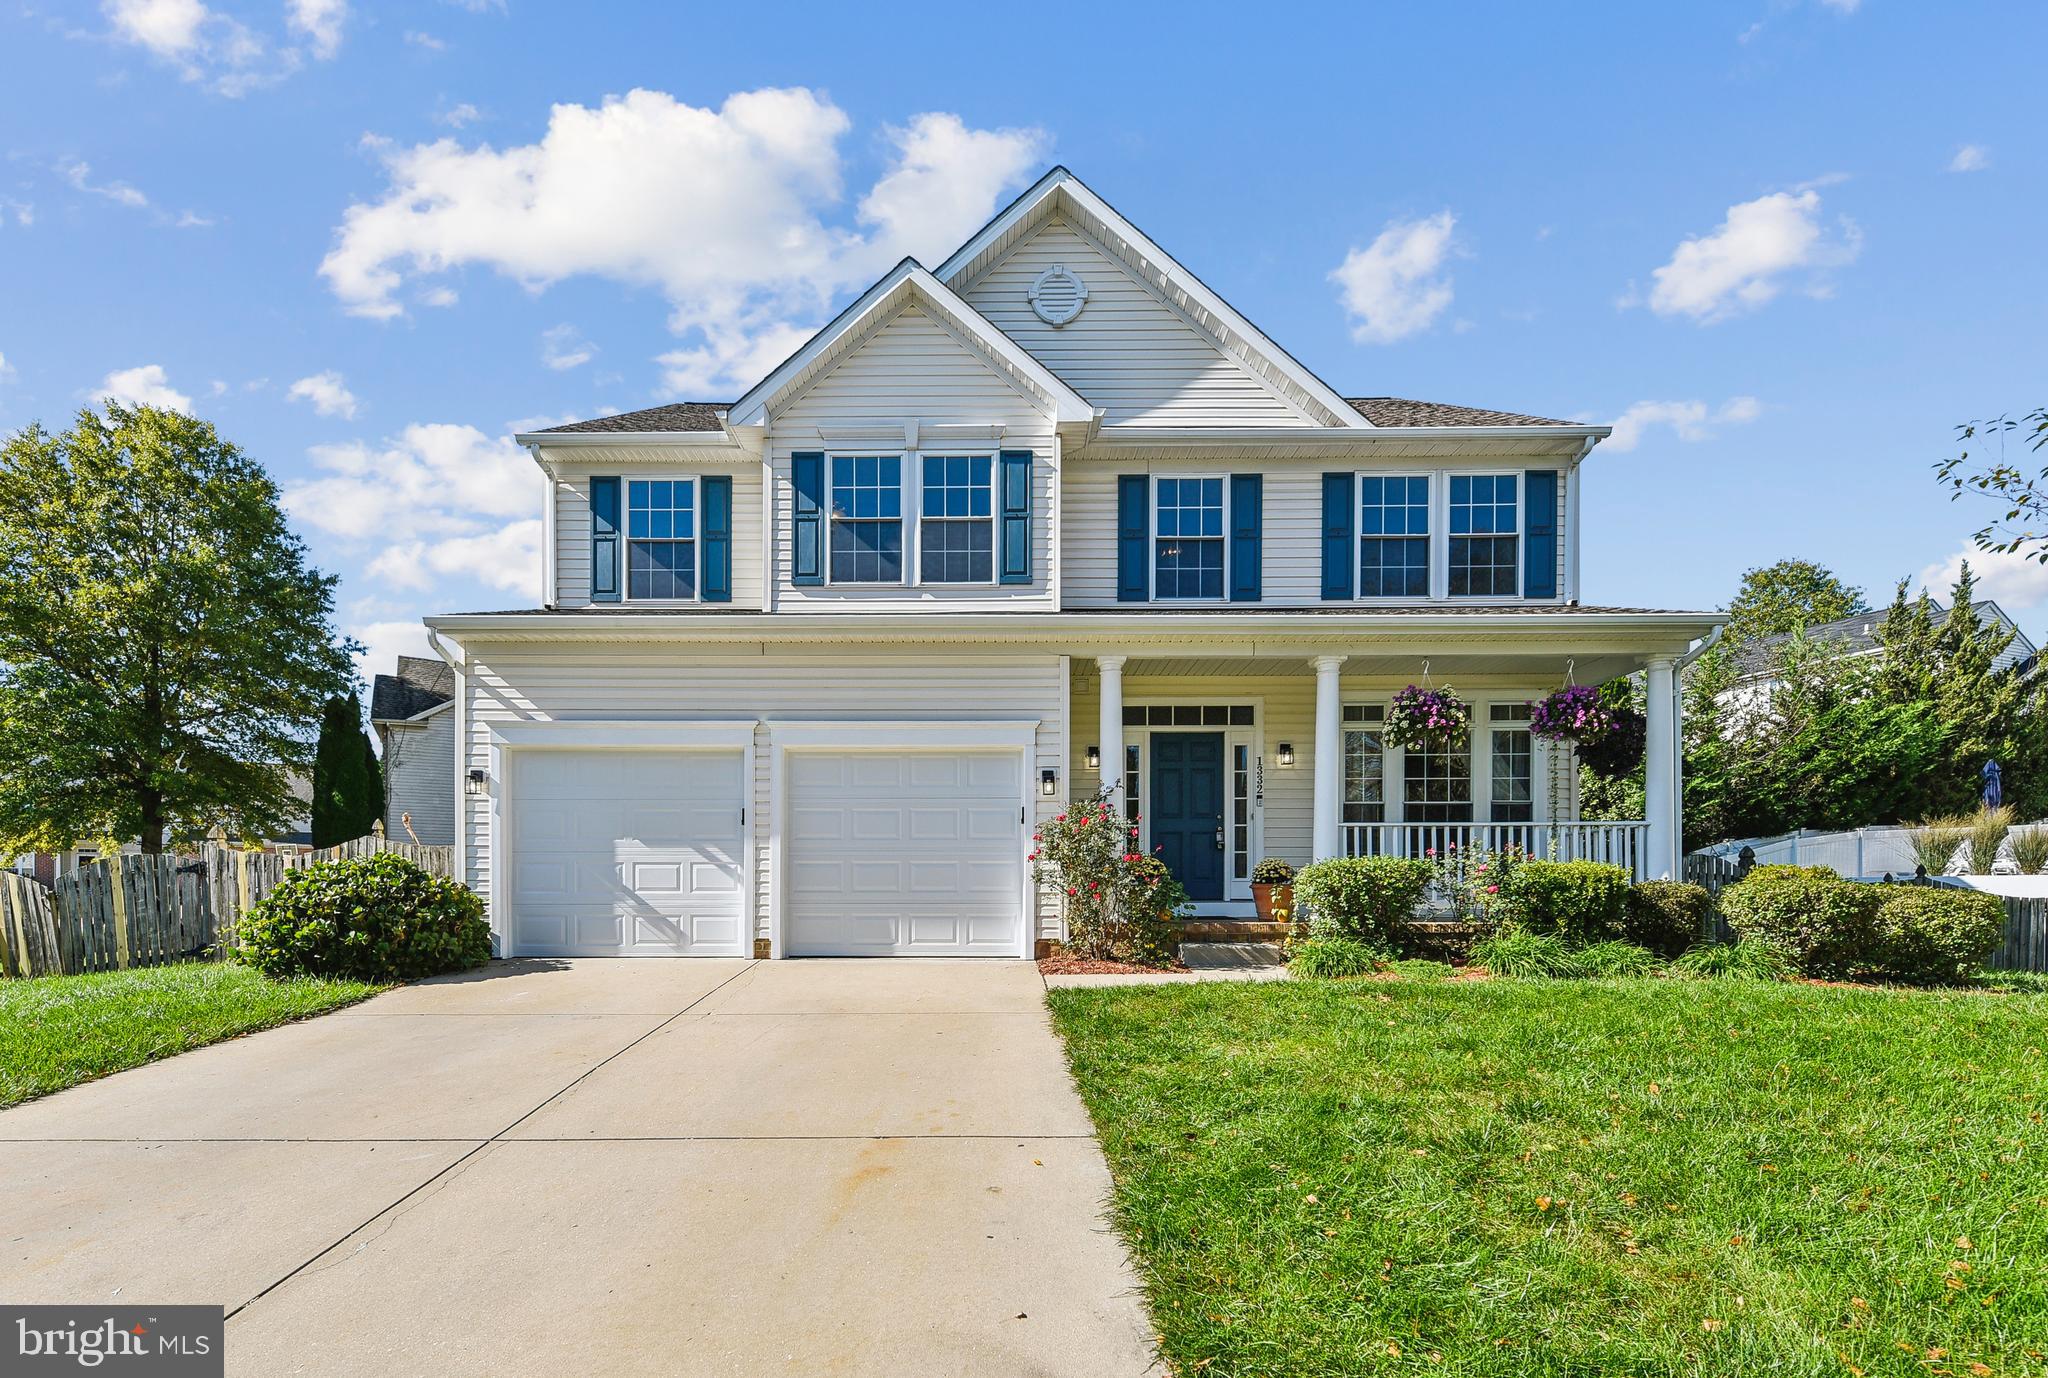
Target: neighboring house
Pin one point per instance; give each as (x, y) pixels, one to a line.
(1049, 517)
(413, 713)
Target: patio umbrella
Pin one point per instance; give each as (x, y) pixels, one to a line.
(1994, 786)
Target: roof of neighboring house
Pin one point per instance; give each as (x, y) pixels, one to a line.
(1858, 635)
(422, 682)
(1381, 411)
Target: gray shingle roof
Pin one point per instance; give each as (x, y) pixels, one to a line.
(1853, 635)
(1405, 411)
(420, 684)
(676, 416)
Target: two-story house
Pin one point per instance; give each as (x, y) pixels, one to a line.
(1050, 518)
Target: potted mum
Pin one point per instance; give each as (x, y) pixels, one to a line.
(1273, 887)
(1419, 719)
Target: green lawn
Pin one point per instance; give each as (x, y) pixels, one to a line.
(56, 1031)
(1626, 1177)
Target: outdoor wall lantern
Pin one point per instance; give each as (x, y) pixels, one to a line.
(475, 786)
(1287, 753)
(1094, 757)
(1048, 783)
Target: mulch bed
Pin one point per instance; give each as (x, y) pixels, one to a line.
(1087, 966)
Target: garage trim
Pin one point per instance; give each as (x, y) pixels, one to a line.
(733, 734)
(896, 735)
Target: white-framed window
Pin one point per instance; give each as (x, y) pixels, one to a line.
(1512, 764)
(956, 519)
(1189, 517)
(1483, 516)
(865, 500)
(661, 539)
(1365, 763)
(1394, 535)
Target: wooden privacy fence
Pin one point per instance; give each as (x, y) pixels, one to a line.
(137, 910)
(2026, 935)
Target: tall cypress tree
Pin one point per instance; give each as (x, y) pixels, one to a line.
(346, 795)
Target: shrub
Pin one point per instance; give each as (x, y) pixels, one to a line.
(1936, 842)
(1666, 916)
(1519, 952)
(1273, 871)
(1363, 897)
(1751, 959)
(1584, 901)
(2030, 850)
(1331, 957)
(1929, 933)
(1617, 958)
(1988, 828)
(1120, 904)
(1827, 924)
(373, 918)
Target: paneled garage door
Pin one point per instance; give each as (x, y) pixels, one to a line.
(910, 854)
(628, 854)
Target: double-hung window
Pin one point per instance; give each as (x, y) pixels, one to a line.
(956, 524)
(1485, 527)
(661, 538)
(1187, 544)
(1393, 539)
(1436, 782)
(867, 519)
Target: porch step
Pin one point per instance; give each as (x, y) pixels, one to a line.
(1231, 956)
(1231, 931)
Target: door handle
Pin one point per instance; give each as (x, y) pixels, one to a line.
(1219, 837)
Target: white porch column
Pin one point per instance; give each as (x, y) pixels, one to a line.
(1328, 837)
(1660, 773)
(1110, 732)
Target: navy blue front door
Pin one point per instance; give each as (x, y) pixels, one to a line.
(1187, 809)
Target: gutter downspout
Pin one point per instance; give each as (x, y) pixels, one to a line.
(550, 595)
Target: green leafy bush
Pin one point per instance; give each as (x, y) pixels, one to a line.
(1827, 924)
(1583, 901)
(1330, 957)
(1751, 959)
(1617, 958)
(1520, 952)
(1363, 897)
(1120, 904)
(1666, 916)
(1928, 934)
(373, 918)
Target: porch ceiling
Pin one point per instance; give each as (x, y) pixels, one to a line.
(1453, 665)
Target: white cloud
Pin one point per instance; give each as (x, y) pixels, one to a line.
(1843, 6)
(421, 39)
(1395, 287)
(439, 296)
(1689, 421)
(507, 558)
(720, 209)
(459, 116)
(79, 175)
(207, 46)
(2015, 581)
(479, 6)
(1970, 158)
(319, 22)
(563, 347)
(727, 357)
(327, 392)
(145, 384)
(429, 480)
(385, 642)
(1744, 262)
(168, 28)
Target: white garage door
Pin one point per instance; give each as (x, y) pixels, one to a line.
(911, 854)
(627, 854)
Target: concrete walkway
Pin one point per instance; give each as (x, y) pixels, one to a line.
(591, 1167)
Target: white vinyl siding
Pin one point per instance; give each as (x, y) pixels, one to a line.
(1128, 351)
(511, 682)
(572, 523)
(1291, 501)
(913, 368)
(419, 779)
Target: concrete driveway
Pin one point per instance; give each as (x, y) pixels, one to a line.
(603, 1167)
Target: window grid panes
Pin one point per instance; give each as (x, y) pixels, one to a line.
(1393, 525)
(1484, 536)
(1188, 550)
(956, 535)
(1436, 784)
(661, 544)
(1131, 777)
(1241, 811)
(867, 519)
(1513, 765)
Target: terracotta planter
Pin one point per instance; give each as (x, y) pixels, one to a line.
(1271, 897)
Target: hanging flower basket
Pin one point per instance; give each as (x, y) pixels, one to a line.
(1609, 736)
(1422, 719)
(1616, 752)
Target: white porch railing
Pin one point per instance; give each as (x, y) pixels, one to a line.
(1618, 844)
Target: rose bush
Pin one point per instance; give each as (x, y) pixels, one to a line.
(1120, 904)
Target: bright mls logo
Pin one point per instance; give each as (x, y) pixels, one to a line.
(162, 1341)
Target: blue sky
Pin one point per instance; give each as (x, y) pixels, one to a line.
(1787, 245)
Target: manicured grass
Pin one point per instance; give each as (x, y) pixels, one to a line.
(1585, 1177)
(56, 1031)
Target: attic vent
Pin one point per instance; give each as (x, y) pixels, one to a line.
(1057, 295)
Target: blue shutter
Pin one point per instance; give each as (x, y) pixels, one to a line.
(1015, 566)
(1539, 541)
(1340, 556)
(807, 524)
(716, 585)
(604, 540)
(1133, 523)
(1245, 526)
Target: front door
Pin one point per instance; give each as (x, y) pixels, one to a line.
(1187, 809)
